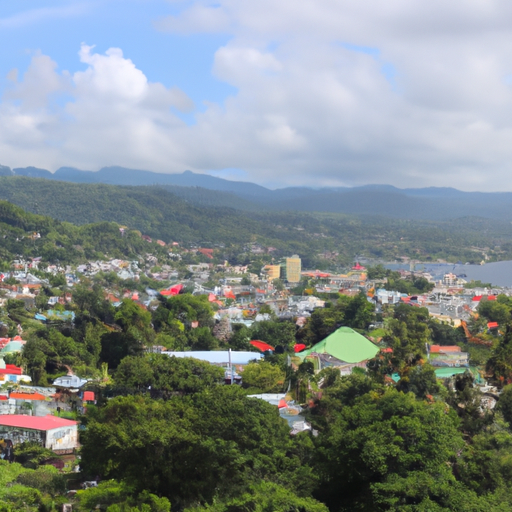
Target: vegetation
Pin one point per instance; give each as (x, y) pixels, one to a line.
(323, 240)
(167, 434)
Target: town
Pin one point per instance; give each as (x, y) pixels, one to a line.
(75, 338)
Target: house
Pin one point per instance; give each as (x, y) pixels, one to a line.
(15, 344)
(69, 381)
(11, 373)
(57, 434)
(447, 356)
(344, 348)
(33, 403)
(206, 252)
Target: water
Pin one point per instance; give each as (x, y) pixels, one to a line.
(498, 274)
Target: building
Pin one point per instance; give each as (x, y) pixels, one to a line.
(57, 434)
(69, 381)
(272, 272)
(344, 349)
(293, 269)
(11, 373)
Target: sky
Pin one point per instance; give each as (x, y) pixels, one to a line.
(412, 93)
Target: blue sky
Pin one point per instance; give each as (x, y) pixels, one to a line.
(58, 28)
(295, 92)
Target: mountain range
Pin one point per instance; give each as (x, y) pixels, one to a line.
(433, 203)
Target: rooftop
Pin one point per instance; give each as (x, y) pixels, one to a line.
(35, 422)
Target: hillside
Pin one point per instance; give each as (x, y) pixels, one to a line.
(25, 234)
(156, 212)
(434, 203)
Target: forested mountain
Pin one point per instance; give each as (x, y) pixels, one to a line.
(434, 203)
(160, 214)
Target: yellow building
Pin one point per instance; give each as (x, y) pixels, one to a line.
(293, 269)
(272, 271)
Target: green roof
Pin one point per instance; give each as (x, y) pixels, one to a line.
(12, 346)
(344, 344)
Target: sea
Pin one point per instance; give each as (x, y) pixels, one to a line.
(499, 274)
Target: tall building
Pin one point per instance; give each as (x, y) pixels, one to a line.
(272, 272)
(293, 269)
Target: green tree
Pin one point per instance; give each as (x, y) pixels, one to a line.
(264, 497)
(359, 313)
(388, 451)
(494, 311)
(466, 399)
(195, 449)
(505, 403)
(420, 380)
(274, 333)
(263, 376)
(163, 376)
(500, 362)
(408, 335)
(119, 497)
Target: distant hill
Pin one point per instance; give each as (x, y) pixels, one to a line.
(25, 234)
(433, 203)
(200, 217)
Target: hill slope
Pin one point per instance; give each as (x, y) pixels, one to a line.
(160, 214)
(423, 204)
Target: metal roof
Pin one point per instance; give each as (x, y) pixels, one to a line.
(48, 422)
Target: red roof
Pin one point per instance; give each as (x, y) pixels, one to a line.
(261, 345)
(492, 325)
(88, 396)
(10, 369)
(434, 349)
(229, 295)
(478, 298)
(27, 396)
(174, 290)
(207, 252)
(35, 422)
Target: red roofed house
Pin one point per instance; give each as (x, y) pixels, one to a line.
(11, 373)
(448, 356)
(436, 349)
(206, 252)
(57, 434)
(26, 402)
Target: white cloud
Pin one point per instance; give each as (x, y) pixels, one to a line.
(41, 14)
(328, 91)
(108, 114)
(198, 19)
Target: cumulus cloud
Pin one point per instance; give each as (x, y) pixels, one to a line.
(107, 114)
(328, 92)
